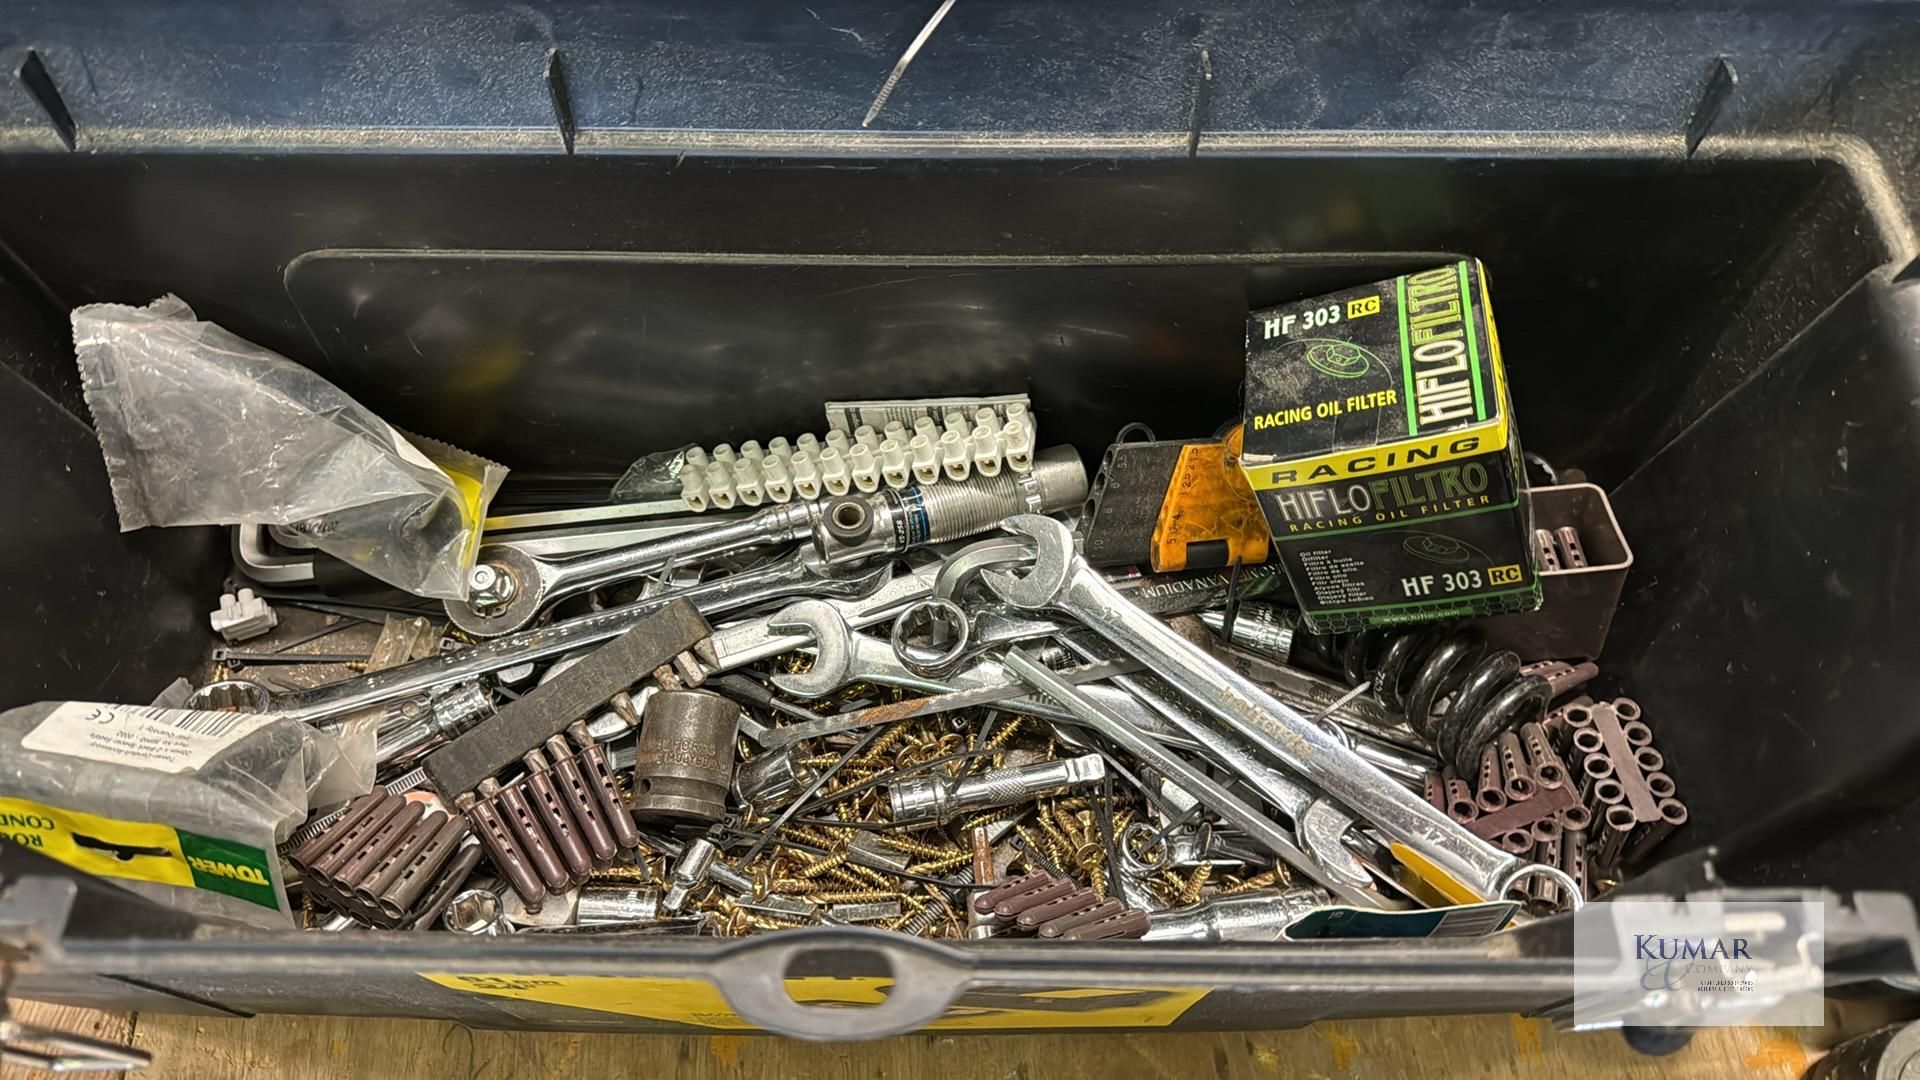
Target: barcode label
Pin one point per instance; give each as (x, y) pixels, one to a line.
(201, 722)
(143, 736)
(1477, 920)
(207, 723)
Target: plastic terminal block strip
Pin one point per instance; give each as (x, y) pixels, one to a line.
(982, 439)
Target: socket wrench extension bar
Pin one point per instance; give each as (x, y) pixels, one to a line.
(1435, 847)
(940, 797)
(509, 587)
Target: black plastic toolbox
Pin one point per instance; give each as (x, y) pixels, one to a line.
(563, 234)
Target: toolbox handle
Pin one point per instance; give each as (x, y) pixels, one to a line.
(925, 982)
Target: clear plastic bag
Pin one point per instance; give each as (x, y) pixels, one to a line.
(183, 807)
(200, 427)
(652, 476)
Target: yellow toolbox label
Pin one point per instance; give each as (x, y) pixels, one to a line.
(700, 1003)
(139, 850)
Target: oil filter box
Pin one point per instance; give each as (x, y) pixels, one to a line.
(1380, 442)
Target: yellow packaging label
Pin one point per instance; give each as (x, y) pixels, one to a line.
(107, 847)
(699, 1003)
(1367, 461)
(475, 478)
(141, 851)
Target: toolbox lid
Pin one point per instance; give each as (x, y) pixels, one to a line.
(1401, 372)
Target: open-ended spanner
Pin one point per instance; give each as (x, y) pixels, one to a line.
(1230, 807)
(509, 588)
(751, 640)
(1435, 847)
(963, 567)
(797, 574)
(842, 656)
(847, 656)
(1320, 826)
(1173, 593)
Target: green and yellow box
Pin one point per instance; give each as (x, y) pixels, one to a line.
(1380, 442)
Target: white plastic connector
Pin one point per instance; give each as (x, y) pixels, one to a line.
(838, 440)
(693, 488)
(833, 469)
(986, 451)
(779, 447)
(893, 461)
(242, 616)
(866, 471)
(896, 431)
(695, 457)
(867, 437)
(724, 455)
(1016, 438)
(776, 479)
(808, 442)
(926, 458)
(806, 474)
(1017, 411)
(953, 455)
(985, 417)
(957, 421)
(927, 426)
(751, 451)
(746, 482)
(720, 485)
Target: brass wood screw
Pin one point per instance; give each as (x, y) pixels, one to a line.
(857, 896)
(1196, 881)
(917, 847)
(1043, 844)
(1257, 881)
(765, 922)
(944, 862)
(824, 863)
